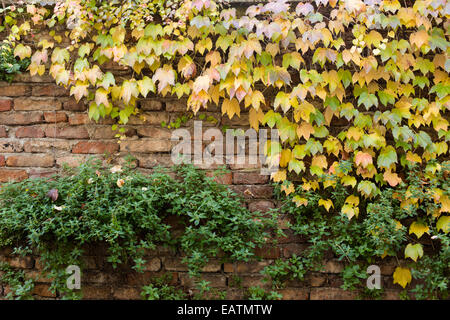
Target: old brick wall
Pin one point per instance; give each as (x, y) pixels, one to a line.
(42, 127)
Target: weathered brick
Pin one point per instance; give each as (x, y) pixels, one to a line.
(254, 280)
(226, 178)
(215, 280)
(127, 293)
(150, 118)
(30, 132)
(174, 264)
(333, 266)
(78, 118)
(151, 105)
(212, 266)
(155, 133)
(294, 293)
(71, 161)
(317, 279)
(96, 292)
(2, 161)
(3, 133)
(7, 146)
(253, 191)
(293, 248)
(78, 132)
(93, 147)
(72, 105)
(15, 90)
(5, 105)
(176, 106)
(21, 262)
(54, 117)
(43, 290)
(7, 175)
(146, 146)
(242, 177)
(261, 205)
(21, 118)
(50, 90)
(246, 267)
(332, 294)
(153, 160)
(34, 160)
(153, 264)
(39, 146)
(36, 104)
(268, 252)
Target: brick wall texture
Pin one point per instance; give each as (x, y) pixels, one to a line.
(42, 128)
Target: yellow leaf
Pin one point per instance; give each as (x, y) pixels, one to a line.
(418, 228)
(305, 130)
(300, 201)
(319, 161)
(414, 251)
(402, 276)
(231, 107)
(279, 176)
(327, 204)
(286, 156)
(445, 204)
(288, 190)
(443, 224)
(392, 178)
(353, 200)
(255, 117)
(350, 211)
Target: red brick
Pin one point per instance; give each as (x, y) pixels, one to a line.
(2, 161)
(54, 117)
(21, 118)
(317, 279)
(146, 146)
(332, 294)
(14, 90)
(78, 118)
(72, 105)
(249, 178)
(127, 293)
(261, 205)
(78, 132)
(3, 133)
(294, 293)
(50, 90)
(226, 178)
(253, 281)
(155, 133)
(43, 290)
(153, 160)
(35, 104)
(71, 161)
(151, 105)
(30, 161)
(5, 105)
(30, 132)
(87, 147)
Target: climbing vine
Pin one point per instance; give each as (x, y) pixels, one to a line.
(361, 81)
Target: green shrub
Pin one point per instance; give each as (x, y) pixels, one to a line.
(9, 65)
(130, 212)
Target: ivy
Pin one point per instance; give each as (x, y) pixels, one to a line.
(361, 81)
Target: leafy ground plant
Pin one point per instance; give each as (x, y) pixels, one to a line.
(130, 213)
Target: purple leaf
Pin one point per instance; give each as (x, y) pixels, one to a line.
(53, 194)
